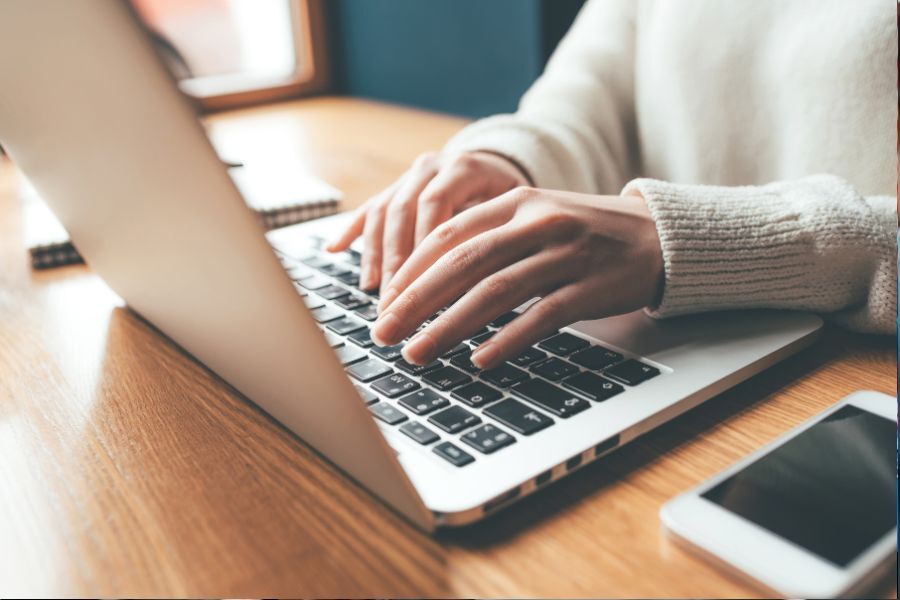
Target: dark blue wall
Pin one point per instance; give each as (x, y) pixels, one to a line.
(469, 57)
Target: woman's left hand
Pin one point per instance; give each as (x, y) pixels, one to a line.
(586, 256)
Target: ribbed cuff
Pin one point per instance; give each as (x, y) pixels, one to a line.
(728, 247)
(507, 136)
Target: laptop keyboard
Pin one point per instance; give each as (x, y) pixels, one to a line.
(450, 405)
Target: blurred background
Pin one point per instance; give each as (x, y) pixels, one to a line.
(465, 57)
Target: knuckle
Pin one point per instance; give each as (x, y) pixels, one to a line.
(464, 161)
(555, 220)
(445, 232)
(411, 302)
(523, 193)
(425, 160)
(497, 286)
(460, 259)
(550, 222)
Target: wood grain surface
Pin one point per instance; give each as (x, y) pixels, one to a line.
(129, 470)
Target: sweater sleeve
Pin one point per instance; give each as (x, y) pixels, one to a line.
(574, 128)
(810, 244)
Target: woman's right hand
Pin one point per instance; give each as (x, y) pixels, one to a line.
(432, 191)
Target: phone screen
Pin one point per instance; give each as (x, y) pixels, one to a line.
(831, 489)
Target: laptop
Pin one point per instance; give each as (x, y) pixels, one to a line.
(90, 115)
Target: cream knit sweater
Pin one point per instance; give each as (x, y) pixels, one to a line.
(764, 135)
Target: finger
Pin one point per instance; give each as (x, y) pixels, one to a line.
(400, 221)
(451, 234)
(453, 186)
(353, 231)
(542, 319)
(373, 233)
(503, 291)
(357, 225)
(448, 278)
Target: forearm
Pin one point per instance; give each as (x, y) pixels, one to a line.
(811, 244)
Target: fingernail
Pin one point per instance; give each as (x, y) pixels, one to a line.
(331, 246)
(386, 298)
(484, 356)
(420, 349)
(384, 332)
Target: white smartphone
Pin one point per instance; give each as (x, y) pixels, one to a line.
(811, 515)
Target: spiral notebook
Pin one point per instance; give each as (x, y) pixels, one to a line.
(280, 197)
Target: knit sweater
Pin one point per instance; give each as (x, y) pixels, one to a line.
(760, 132)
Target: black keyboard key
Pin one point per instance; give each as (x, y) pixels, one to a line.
(631, 372)
(455, 456)
(454, 419)
(349, 355)
(554, 369)
(330, 292)
(505, 375)
(549, 397)
(333, 340)
(395, 385)
(388, 353)
(423, 401)
(334, 270)
(518, 417)
(503, 319)
(563, 344)
(345, 325)
(314, 283)
(457, 349)
(419, 432)
(476, 394)
(446, 378)
(369, 312)
(349, 278)
(596, 358)
(480, 339)
(368, 370)
(314, 261)
(367, 395)
(407, 367)
(463, 360)
(326, 313)
(352, 301)
(530, 356)
(387, 413)
(361, 338)
(593, 386)
(487, 438)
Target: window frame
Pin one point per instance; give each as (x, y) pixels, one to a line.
(311, 76)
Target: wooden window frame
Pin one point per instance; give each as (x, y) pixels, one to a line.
(311, 76)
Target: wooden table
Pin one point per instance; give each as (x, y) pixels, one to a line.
(127, 469)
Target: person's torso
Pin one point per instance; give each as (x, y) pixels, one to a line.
(737, 92)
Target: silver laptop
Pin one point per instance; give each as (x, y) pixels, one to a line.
(90, 115)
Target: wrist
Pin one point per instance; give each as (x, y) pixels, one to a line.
(650, 237)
